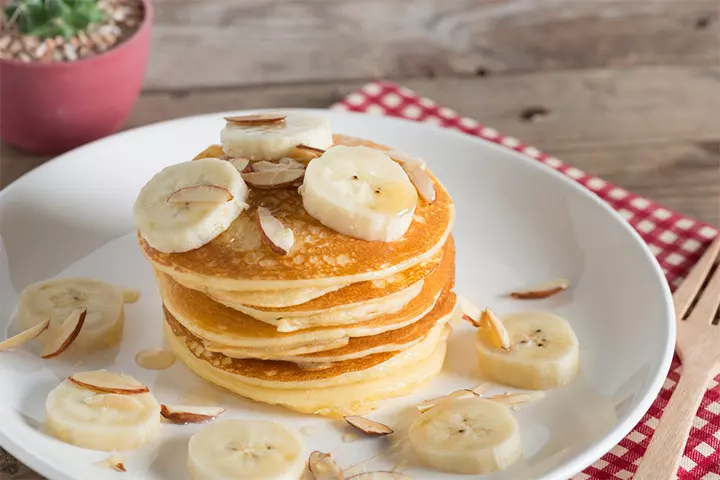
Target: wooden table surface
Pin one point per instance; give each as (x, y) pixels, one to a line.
(625, 89)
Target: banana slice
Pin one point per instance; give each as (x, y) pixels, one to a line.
(187, 205)
(246, 449)
(359, 192)
(101, 421)
(58, 298)
(545, 352)
(469, 435)
(275, 140)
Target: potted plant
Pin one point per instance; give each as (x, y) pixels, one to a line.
(70, 70)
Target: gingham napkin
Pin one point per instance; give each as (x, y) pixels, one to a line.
(677, 242)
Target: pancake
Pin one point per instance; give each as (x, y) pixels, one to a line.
(287, 375)
(359, 301)
(214, 322)
(392, 341)
(352, 399)
(238, 260)
(340, 315)
(264, 298)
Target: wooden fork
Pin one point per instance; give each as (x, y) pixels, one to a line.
(698, 346)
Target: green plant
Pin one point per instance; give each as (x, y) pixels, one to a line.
(49, 18)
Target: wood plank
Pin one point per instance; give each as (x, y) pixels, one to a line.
(652, 130)
(219, 43)
(585, 108)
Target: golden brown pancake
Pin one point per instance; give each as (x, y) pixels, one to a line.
(214, 322)
(391, 341)
(237, 259)
(286, 297)
(280, 374)
(335, 401)
(355, 293)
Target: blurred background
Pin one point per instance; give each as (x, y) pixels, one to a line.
(625, 89)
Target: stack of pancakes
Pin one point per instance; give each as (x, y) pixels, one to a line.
(333, 327)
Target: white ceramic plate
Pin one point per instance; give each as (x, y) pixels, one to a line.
(518, 223)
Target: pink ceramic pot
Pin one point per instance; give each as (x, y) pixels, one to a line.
(49, 108)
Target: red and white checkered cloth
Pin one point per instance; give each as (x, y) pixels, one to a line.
(677, 242)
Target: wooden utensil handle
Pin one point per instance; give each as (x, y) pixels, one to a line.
(668, 443)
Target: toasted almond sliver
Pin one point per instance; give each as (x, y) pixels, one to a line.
(542, 290)
(323, 467)
(201, 194)
(25, 336)
(273, 232)
(517, 398)
(260, 119)
(65, 334)
(285, 163)
(481, 389)
(368, 426)
(405, 158)
(469, 308)
(103, 381)
(184, 414)
(308, 148)
(471, 321)
(275, 178)
(422, 181)
(242, 164)
(498, 334)
(458, 394)
(116, 463)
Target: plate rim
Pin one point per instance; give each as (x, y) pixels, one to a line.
(567, 468)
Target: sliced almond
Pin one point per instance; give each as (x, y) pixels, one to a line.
(384, 475)
(498, 334)
(542, 290)
(259, 119)
(305, 153)
(102, 381)
(471, 320)
(469, 308)
(517, 398)
(285, 163)
(273, 178)
(308, 148)
(242, 164)
(368, 426)
(323, 467)
(273, 232)
(184, 414)
(458, 394)
(421, 180)
(155, 359)
(25, 336)
(201, 194)
(66, 334)
(114, 401)
(481, 389)
(405, 158)
(291, 163)
(116, 463)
